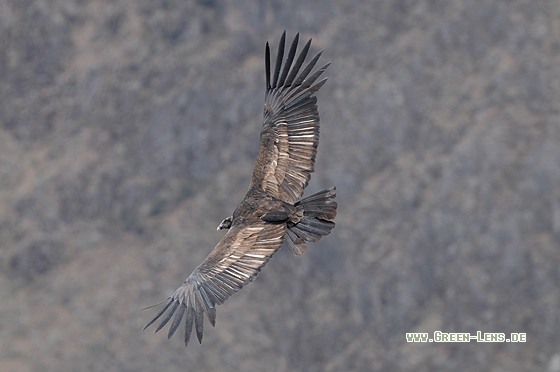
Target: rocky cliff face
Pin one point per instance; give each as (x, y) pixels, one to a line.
(129, 129)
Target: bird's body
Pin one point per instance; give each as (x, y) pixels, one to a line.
(271, 213)
(255, 204)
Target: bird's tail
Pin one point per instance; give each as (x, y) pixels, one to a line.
(319, 211)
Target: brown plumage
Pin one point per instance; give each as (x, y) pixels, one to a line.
(270, 213)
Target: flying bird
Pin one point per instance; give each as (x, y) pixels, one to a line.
(271, 213)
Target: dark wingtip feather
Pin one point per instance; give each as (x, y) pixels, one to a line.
(326, 66)
(168, 316)
(289, 60)
(298, 64)
(189, 324)
(176, 321)
(305, 85)
(315, 75)
(279, 57)
(318, 86)
(308, 68)
(158, 314)
(267, 65)
(199, 322)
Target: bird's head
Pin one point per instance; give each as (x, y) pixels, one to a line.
(225, 224)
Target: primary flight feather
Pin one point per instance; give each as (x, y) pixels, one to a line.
(270, 213)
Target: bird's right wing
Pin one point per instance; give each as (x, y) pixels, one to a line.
(235, 261)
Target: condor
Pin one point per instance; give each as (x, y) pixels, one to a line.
(271, 213)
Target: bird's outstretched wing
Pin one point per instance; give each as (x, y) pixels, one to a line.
(235, 261)
(290, 132)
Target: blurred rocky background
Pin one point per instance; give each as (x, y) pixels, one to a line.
(129, 129)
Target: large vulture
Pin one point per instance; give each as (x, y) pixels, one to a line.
(270, 214)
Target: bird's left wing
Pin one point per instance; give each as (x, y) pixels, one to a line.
(290, 132)
(235, 261)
